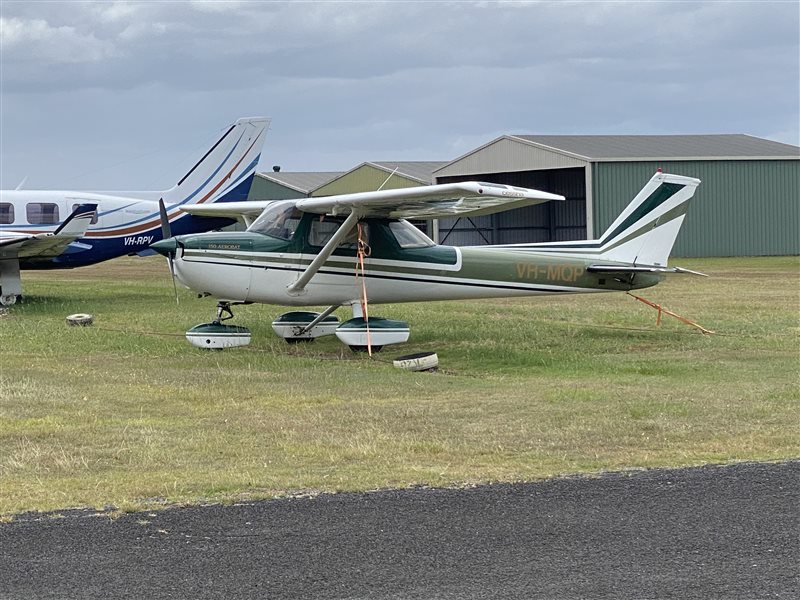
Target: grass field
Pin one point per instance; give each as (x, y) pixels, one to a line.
(127, 414)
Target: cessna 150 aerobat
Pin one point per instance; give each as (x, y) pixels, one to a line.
(305, 252)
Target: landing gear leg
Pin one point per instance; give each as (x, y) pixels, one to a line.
(10, 284)
(223, 308)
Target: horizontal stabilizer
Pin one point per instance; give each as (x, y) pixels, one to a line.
(611, 269)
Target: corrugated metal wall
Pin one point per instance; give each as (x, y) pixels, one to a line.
(264, 189)
(742, 207)
(551, 221)
(366, 178)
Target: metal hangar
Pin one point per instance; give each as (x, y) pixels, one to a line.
(286, 186)
(371, 176)
(748, 203)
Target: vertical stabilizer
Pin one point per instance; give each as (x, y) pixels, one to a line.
(226, 170)
(646, 230)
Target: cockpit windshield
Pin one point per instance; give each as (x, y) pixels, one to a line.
(279, 220)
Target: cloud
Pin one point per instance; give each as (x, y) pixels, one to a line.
(35, 40)
(348, 82)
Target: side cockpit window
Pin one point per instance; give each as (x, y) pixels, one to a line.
(279, 220)
(42, 213)
(6, 213)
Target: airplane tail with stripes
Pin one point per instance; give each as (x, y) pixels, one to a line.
(642, 236)
(645, 232)
(226, 171)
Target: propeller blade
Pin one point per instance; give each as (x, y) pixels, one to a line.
(166, 233)
(166, 230)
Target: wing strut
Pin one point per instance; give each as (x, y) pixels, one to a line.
(299, 286)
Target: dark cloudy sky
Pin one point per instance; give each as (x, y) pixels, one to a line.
(123, 95)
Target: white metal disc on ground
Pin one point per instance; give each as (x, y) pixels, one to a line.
(421, 361)
(80, 319)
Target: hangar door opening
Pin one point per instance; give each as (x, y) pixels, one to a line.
(548, 222)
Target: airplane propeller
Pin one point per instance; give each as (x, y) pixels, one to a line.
(166, 233)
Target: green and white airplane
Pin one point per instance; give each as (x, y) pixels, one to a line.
(357, 250)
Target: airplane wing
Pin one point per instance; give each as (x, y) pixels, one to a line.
(250, 209)
(465, 199)
(14, 244)
(469, 198)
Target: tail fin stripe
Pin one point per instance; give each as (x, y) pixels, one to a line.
(219, 141)
(236, 166)
(660, 195)
(247, 172)
(668, 216)
(214, 174)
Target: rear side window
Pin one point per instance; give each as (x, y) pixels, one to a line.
(94, 215)
(6, 213)
(408, 236)
(42, 213)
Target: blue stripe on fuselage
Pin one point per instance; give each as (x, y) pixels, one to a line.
(104, 249)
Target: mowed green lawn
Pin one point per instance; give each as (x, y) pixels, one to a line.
(127, 414)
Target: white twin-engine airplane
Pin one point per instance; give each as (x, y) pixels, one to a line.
(124, 223)
(305, 253)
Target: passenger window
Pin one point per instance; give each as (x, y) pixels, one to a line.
(42, 213)
(94, 216)
(6, 213)
(408, 236)
(323, 228)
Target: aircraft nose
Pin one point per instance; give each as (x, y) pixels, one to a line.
(166, 247)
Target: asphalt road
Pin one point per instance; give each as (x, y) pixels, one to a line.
(710, 532)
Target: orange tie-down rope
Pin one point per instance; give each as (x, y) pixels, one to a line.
(364, 250)
(661, 309)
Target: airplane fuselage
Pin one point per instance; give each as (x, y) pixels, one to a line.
(124, 225)
(252, 267)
